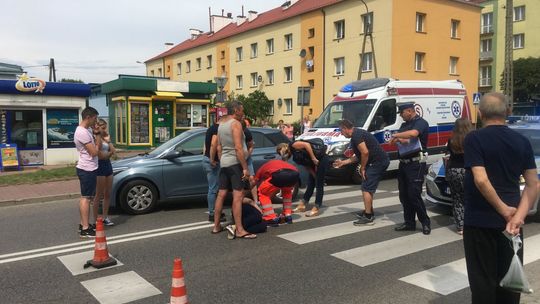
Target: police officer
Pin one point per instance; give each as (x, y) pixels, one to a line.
(412, 167)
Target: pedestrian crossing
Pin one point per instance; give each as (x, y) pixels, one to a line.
(443, 279)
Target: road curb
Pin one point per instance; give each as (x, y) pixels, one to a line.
(41, 199)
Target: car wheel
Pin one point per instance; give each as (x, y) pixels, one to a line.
(138, 197)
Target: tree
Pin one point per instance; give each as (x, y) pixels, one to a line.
(526, 79)
(71, 80)
(257, 106)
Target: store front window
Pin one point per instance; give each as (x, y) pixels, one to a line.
(25, 129)
(140, 125)
(191, 115)
(121, 122)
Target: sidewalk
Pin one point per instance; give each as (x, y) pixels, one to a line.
(44, 192)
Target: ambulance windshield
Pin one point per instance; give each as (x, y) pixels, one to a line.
(355, 111)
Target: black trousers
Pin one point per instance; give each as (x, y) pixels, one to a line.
(410, 181)
(488, 254)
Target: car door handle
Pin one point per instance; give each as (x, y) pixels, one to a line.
(269, 156)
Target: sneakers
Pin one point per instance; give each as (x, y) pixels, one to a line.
(93, 226)
(107, 222)
(88, 233)
(231, 232)
(364, 220)
(285, 219)
(288, 219)
(273, 222)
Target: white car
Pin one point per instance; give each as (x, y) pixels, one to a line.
(437, 189)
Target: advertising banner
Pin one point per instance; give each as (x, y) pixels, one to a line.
(61, 126)
(8, 155)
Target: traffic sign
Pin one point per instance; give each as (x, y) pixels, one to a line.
(476, 98)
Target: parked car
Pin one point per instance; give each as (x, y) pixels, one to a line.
(437, 189)
(173, 171)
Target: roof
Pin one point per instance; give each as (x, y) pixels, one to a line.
(11, 68)
(269, 17)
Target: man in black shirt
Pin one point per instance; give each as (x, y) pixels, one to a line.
(211, 168)
(373, 163)
(495, 158)
(412, 167)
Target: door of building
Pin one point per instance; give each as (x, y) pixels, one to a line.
(162, 121)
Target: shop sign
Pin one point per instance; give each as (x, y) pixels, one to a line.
(172, 86)
(61, 126)
(30, 84)
(8, 155)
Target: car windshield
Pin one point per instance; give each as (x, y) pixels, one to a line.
(171, 143)
(355, 111)
(533, 135)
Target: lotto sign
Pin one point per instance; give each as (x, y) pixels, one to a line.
(8, 155)
(30, 84)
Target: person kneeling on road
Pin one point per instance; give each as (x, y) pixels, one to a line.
(274, 176)
(252, 219)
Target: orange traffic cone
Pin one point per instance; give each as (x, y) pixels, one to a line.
(101, 254)
(178, 287)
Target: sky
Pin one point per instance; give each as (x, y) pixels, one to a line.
(96, 40)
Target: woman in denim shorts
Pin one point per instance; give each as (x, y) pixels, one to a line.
(104, 173)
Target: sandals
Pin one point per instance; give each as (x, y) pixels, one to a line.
(231, 234)
(313, 212)
(300, 208)
(247, 236)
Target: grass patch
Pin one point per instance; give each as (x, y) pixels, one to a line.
(39, 176)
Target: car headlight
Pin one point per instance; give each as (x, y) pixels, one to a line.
(338, 148)
(117, 170)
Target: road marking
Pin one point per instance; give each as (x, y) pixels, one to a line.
(398, 247)
(330, 188)
(451, 277)
(120, 288)
(75, 262)
(115, 241)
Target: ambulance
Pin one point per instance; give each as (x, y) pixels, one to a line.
(372, 105)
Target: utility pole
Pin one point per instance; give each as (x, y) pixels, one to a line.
(52, 70)
(508, 73)
(368, 32)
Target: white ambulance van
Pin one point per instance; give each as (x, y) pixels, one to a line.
(372, 105)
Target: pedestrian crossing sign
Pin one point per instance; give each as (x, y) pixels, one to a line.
(476, 98)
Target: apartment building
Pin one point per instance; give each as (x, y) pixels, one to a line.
(318, 45)
(525, 41)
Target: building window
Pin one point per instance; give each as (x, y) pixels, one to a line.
(288, 42)
(239, 54)
(288, 74)
(139, 127)
(179, 68)
(239, 82)
(453, 66)
(519, 13)
(311, 33)
(188, 66)
(270, 77)
(222, 54)
(339, 27)
(485, 45)
(271, 112)
(198, 63)
(254, 50)
(168, 68)
(339, 64)
(367, 62)
(188, 116)
(519, 41)
(419, 61)
(420, 22)
(209, 61)
(223, 70)
(270, 46)
(152, 73)
(487, 23)
(454, 28)
(367, 23)
(288, 106)
(253, 79)
(160, 72)
(121, 122)
(485, 76)
(311, 83)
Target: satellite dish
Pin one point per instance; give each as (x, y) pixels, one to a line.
(303, 53)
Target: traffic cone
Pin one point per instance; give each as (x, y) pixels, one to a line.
(101, 254)
(178, 287)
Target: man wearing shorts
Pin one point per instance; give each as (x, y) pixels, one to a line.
(234, 169)
(86, 168)
(373, 163)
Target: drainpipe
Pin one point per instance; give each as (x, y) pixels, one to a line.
(324, 59)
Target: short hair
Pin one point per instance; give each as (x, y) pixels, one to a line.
(88, 112)
(345, 123)
(493, 106)
(233, 106)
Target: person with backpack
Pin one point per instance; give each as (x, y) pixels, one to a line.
(311, 154)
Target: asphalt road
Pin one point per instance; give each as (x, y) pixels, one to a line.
(315, 260)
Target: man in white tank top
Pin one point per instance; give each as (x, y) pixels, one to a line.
(234, 171)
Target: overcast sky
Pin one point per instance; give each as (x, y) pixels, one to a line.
(96, 40)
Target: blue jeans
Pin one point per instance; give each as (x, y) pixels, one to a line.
(212, 175)
(317, 182)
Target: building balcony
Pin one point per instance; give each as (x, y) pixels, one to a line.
(485, 82)
(486, 29)
(484, 56)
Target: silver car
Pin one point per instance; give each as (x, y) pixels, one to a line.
(437, 189)
(174, 171)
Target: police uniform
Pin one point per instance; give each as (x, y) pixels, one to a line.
(411, 177)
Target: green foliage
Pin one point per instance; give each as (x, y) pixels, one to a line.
(257, 106)
(39, 176)
(526, 78)
(71, 80)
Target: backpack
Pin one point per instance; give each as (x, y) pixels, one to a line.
(301, 157)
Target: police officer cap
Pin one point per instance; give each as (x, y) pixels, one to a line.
(405, 106)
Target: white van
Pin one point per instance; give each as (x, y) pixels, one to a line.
(372, 105)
